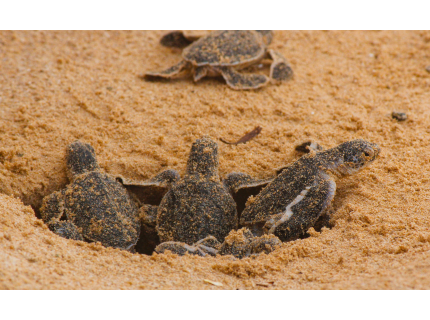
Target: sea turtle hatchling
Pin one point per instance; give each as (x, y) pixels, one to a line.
(224, 53)
(301, 195)
(93, 207)
(197, 212)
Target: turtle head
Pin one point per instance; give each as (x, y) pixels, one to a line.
(352, 156)
(80, 158)
(203, 157)
(267, 36)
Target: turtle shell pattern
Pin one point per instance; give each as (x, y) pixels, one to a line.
(226, 48)
(102, 210)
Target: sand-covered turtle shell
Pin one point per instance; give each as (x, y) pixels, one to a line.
(198, 205)
(226, 48)
(303, 191)
(94, 206)
(102, 209)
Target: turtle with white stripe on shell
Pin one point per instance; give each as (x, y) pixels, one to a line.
(302, 193)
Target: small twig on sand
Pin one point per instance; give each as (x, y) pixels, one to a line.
(246, 137)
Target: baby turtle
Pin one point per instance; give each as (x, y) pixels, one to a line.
(197, 212)
(197, 205)
(224, 53)
(301, 195)
(94, 206)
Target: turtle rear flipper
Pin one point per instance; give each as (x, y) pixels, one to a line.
(305, 147)
(172, 72)
(303, 211)
(153, 190)
(241, 186)
(240, 81)
(309, 146)
(280, 70)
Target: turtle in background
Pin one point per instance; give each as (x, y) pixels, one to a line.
(225, 53)
(93, 207)
(301, 195)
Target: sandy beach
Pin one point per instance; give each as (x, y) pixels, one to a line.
(57, 87)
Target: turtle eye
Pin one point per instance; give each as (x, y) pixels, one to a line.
(368, 153)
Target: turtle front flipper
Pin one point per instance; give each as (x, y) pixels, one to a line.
(152, 190)
(179, 248)
(240, 81)
(172, 72)
(265, 244)
(241, 186)
(280, 70)
(303, 211)
(242, 243)
(207, 246)
(52, 207)
(52, 211)
(305, 147)
(324, 219)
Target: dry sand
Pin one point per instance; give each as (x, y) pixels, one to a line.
(56, 87)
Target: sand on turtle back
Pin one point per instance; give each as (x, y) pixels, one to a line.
(102, 209)
(198, 205)
(226, 48)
